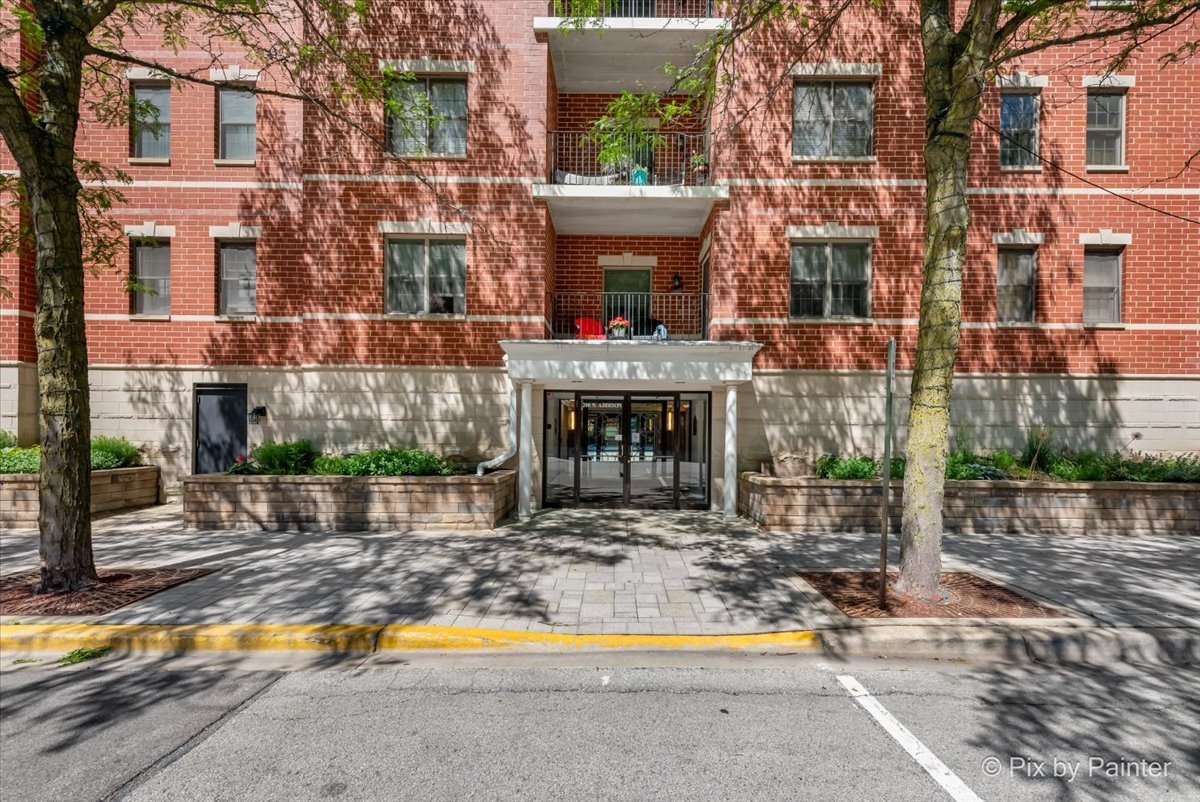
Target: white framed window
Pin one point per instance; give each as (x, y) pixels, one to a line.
(1102, 285)
(1019, 117)
(1016, 285)
(425, 276)
(431, 119)
(238, 264)
(1106, 112)
(833, 119)
(152, 277)
(237, 123)
(150, 121)
(830, 279)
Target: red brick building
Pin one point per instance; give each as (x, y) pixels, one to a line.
(308, 284)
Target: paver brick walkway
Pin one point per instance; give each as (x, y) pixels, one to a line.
(609, 571)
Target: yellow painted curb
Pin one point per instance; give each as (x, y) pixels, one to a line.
(359, 638)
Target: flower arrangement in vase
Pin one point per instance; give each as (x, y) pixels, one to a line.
(617, 328)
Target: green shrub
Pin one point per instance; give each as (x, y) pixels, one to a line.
(7, 440)
(833, 467)
(1004, 460)
(20, 460)
(293, 458)
(1140, 468)
(1039, 449)
(898, 466)
(114, 452)
(965, 466)
(386, 462)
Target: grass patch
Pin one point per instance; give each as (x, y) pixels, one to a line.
(83, 655)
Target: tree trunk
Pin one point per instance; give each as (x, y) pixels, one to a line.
(64, 517)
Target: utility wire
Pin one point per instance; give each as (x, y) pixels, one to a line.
(1087, 181)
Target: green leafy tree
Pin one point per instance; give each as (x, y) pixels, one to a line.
(962, 45)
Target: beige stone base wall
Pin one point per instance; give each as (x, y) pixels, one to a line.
(348, 503)
(796, 415)
(1050, 508)
(454, 412)
(112, 490)
(19, 401)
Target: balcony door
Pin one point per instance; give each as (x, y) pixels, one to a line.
(627, 294)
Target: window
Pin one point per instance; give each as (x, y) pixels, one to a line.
(432, 119)
(830, 279)
(1019, 129)
(426, 276)
(239, 279)
(1105, 129)
(1015, 285)
(1102, 286)
(832, 120)
(236, 118)
(152, 275)
(150, 126)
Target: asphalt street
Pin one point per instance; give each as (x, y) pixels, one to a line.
(457, 729)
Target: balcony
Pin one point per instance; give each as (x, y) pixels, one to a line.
(627, 46)
(652, 183)
(585, 315)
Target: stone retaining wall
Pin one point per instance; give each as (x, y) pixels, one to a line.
(1052, 508)
(348, 503)
(112, 490)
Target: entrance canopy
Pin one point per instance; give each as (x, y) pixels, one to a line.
(629, 364)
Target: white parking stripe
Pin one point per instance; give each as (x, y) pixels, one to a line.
(938, 770)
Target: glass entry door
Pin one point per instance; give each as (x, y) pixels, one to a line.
(626, 450)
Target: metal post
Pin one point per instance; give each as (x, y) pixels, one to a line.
(731, 479)
(884, 519)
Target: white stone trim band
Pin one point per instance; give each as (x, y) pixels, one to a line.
(235, 230)
(427, 65)
(1022, 80)
(836, 68)
(234, 74)
(627, 260)
(832, 231)
(423, 226)
(146, 74)
(1018, 236)
(1109, 81)
(1105, 236)
(150, 229)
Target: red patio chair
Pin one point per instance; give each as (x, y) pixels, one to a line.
(588, 328)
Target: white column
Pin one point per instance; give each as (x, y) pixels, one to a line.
(731, 479)
(525, 453)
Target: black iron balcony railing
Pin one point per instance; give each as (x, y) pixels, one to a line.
(633, 8)
(647, 159)
(587, 315)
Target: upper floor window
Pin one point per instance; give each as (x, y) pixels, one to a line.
(831, 279)
(1019, 129)
(1015, 285)
(431, 119)
(1105, 129)
(1102, 285)
(833, 119)
(152, 277)
(425, 276)
(237, 113)
(150, 126)
(239, 279)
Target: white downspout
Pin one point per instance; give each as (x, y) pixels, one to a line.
(511, 451)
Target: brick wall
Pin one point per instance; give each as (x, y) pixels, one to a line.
(1039, 508)
(112, 490)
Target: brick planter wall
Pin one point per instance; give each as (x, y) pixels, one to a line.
(348, 503)
(1053, 508)
(112, 490)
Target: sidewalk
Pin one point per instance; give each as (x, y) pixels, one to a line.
(590, 573)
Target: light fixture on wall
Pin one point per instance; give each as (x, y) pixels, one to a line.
(257, 414)
(670, 420)
(676, 283)
(570, 420)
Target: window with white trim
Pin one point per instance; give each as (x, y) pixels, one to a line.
(833, 119)
(425, 276)
(1019, 113)
(1105, 128)
(429, 117)
(150, 121)
(831, 279)
(239, 279)
(237, 120)
(1102, 285)
(1016, 285)
(151, 294)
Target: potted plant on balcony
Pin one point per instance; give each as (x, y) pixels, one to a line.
(699, 164)
(618, 328)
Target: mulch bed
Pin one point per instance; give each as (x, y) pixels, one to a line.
(118, 587)
(856, 593)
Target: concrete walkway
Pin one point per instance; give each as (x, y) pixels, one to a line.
(601, 572)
